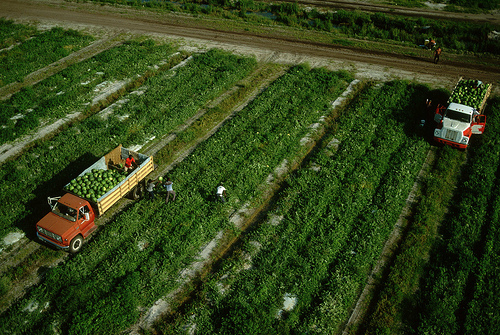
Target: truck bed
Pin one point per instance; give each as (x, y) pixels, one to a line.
(112, 160)
(480, 106)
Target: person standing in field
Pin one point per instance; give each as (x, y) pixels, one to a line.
(170, 190)
(221, 192)
(437, 53)
(151, 189)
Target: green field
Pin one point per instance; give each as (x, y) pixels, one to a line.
(320, 188)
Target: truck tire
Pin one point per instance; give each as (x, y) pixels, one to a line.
(137, 192)
(76, 244)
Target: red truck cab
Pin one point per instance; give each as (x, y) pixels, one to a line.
(70, 221)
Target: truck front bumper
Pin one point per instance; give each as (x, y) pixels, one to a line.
(450, 143)
(54, 243)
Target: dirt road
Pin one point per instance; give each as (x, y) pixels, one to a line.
(272, 44)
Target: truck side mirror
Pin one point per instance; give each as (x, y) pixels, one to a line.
(438, 117)
(87, 216)
(52, 201)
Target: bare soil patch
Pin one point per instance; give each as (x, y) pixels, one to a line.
(269, 44)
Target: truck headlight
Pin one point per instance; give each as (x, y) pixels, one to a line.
(437, 132)
(465, 139)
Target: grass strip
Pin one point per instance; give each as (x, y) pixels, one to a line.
(38, 52)
(12, 33)
(389, 312)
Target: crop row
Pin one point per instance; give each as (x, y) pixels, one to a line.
(73, 89)
(169, 99)
(12, 33)
(326, 231)
(390, 312)
(138, 257)
(39, 51)
(459, 267)
(482, 316)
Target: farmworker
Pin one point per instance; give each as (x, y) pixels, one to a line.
(170, 190)
(151, 189)
(130, 163)
(478, 84)
(437, 53)
(475, 114)
(221, 192)
(428, 104)
(431, 44)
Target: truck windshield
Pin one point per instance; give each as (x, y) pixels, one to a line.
(457, 116)
(64, 211)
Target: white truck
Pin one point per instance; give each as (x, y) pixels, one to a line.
(463, 116)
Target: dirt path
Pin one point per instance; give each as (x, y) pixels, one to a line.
(270, 44)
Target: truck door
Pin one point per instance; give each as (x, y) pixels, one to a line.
(85, 220)
(477, 126)
(438, 115)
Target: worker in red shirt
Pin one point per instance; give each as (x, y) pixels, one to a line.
(437, 53)
(130, 163)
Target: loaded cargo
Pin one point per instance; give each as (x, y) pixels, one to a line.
(130, 184)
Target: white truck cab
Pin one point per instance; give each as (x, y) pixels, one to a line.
(457, 123)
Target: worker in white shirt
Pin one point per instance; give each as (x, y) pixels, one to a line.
(170, 190)
(221, 192)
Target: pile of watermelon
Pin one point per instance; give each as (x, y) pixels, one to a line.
(95, 184)
(467, 93)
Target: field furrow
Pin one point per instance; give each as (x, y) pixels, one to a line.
(149, 244)
(325, 232)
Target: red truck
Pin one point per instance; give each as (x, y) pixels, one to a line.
(89, 195)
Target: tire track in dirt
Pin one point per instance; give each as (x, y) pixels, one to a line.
(195, 30)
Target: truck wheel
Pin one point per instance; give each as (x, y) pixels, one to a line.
(76, 244)
(137, 192)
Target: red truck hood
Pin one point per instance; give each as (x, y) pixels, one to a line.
(56, 224)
